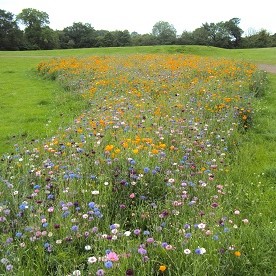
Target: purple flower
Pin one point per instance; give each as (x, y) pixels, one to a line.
(137, 231)
(150, 240)
(142, 251)
(9, 240)
(129, 272)
(9, 267)
(100, 272)
(75, 228)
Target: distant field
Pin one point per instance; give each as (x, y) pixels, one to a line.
(260, 55)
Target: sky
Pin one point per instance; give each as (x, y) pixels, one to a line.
(141, 15)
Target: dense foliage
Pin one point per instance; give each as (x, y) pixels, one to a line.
(38, 35)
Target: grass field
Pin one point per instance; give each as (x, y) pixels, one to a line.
(241, 194)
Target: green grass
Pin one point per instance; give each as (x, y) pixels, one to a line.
(253, 178)
(30, 107)
(259, 55)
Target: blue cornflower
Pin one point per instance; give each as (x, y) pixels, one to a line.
(98, 214)
(75, 228)
(112, 226)
(91, 205)
(146, 170)
(65, 214)
(18, 234)
(215, 237)
(188, 235)
(108, 264)
(200, 251)
(50, 196)
(187, 226)
(23, 206)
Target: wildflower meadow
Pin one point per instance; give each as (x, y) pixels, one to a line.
(138, 184)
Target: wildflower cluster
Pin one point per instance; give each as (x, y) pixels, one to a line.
(138, 179)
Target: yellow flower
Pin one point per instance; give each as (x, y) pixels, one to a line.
(237, 253)
(109, 148)
(162, 268)
(79, 130)
(162, 146)
(117, 150)
(135, 151)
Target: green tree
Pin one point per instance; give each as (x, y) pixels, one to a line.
(200, 36)
(164, 32)
(100, 37)
(11, 38)
(222, 34)
(186, 38)
(33, 18)
(80, 35)
(144, 40)
(234, 31)
(121, 38)
(260, 39)
(36, 23)
(50, 39)
(217, 34)
(108, 39)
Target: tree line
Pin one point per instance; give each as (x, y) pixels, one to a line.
(37, 35)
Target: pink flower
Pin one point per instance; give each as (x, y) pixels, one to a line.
(112, 256)
(150, 240)
(51, 209)
(132, 195)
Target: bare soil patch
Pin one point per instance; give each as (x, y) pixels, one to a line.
(268, 67)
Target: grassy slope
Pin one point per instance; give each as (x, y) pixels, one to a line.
(252, 177)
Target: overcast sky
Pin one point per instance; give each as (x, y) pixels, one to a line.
(141, 15)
